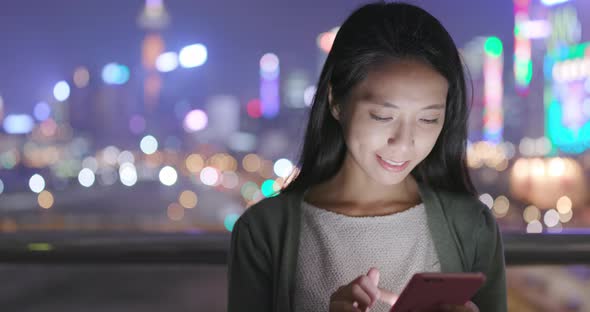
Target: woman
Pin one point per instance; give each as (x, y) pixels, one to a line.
(383, 191)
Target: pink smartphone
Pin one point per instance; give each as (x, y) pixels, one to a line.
(426, 290)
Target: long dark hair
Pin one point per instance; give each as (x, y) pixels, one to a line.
(373, 34)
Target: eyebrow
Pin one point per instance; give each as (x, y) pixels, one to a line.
(433, 106)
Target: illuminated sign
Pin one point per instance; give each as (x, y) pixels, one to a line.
(567, 98)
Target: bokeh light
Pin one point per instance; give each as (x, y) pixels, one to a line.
(283, 167)
(487, 199)
(148, 144)
(167, 62)
(501, 206)
(188, 199)
(230, 220)
(254, 108)
(248, 190)
(175, 212)
(115, 74)
(81, 77)
(195, 163)
(326, 39)
(128, 174)
(566, 217)
(556, 167)
(1, 186)
(564, 205)
(42, 111)
(45, 199)
(223, 162)
(537, 167)
(61, 91)
(195, 120)
(193, 55)
(269, 86)
(209, 176)
(37, 183)
(268, 188)
(551, 218)
(534, 227)
(531, 213)
(269, 66)
(86, 177)
(493, 46)
(251, 163)
(18, 124)
(168, 176)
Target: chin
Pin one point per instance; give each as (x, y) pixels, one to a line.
(391, 179)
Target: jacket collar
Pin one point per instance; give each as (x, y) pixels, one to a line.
(445, 240)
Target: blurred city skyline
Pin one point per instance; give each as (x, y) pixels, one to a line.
(44, 42)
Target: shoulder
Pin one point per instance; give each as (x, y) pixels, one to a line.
(465, 210)
(269, 215)
(473, 224)
(471, 220)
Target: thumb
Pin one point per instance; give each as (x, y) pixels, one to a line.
(373, 275)
(472, 306)
(387, 296)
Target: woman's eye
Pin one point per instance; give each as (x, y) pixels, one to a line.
(430, 121)
(380, 118)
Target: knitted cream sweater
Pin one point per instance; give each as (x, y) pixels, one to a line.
(335, 249)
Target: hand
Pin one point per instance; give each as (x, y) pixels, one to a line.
(361, 294)
(468, 307)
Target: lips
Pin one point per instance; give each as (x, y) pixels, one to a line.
(391, 165)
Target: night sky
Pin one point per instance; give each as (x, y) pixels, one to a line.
(42, 42)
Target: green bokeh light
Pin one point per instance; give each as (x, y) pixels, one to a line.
(493, 46)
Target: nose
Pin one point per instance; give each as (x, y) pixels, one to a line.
(402, 138)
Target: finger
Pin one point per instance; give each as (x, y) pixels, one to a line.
(371, 289)
(472, 307)
(344, 306)
(360, 295)
(387, 296)
(373, 275)
(361, 290)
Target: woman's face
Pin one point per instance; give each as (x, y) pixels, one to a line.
(392, 119)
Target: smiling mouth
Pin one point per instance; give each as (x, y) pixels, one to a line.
(391, 165)
(394, 163)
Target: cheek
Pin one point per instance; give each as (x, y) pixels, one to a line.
(425, 142)
(364, 136)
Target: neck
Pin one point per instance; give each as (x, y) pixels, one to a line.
(352, 188)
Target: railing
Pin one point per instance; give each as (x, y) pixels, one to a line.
(212, 248)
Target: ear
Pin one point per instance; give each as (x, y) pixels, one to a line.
(334, 108)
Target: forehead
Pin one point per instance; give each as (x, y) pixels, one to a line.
(403, 82)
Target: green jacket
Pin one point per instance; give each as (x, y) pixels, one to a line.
(265, 241)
